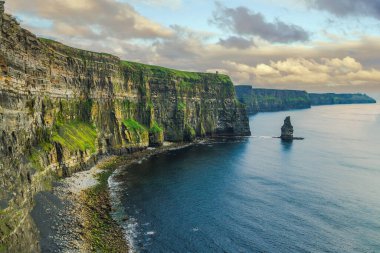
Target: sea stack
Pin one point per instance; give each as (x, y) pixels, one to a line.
(287, 130)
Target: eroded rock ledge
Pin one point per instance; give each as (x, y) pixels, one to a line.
(61, 107)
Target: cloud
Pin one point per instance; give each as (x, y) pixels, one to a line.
(331, 72)
(162, 3)
(245, 22)
(344, 8)
(236, 42)
(187, 44)
(78, 18)
(130, 36)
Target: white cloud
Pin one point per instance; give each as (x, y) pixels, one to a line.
(173, 4)
(119, 29)
(296, 71)
(112, 18)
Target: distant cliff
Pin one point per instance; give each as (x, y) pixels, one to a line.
(270, 100)
(61, 107)
(332, 99)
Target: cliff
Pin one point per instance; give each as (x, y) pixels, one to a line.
(61, 107)
(270, 100)
(332, 99)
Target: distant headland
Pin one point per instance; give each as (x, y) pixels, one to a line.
(271, 100)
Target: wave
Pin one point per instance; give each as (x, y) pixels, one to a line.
(129, 225)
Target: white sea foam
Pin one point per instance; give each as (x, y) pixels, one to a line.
(130, 225)
(262, 137)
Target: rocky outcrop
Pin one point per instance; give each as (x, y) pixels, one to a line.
(333, 99)
(61, 107)
(270, 100)
(287, 130)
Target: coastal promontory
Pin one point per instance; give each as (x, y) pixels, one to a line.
(61, 108)
(272, 100)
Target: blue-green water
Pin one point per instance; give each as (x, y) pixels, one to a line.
(321, 194)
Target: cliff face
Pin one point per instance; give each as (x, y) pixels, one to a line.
(269, 100)
(61, 107)
(332, 99)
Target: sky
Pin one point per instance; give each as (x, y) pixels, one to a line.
(314, 45)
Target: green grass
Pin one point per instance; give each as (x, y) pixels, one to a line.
(185, 75)
(73, 51)
(189, 78)
(134, 126)
(75, 136)
(8, 220)
(37, 154)
(186, 85)
(189, 133)
(50, 41)
(137, 133)
(162, 71)
(155, 129)
(3, 248)
(181, 106)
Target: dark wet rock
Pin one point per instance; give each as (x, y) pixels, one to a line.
(287, 130)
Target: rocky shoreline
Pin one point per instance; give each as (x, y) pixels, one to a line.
(75, 216)
(61, 106)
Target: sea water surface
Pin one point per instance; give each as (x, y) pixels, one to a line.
(259, 194)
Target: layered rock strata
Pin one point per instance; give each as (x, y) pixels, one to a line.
(287, 130)
(61, 107)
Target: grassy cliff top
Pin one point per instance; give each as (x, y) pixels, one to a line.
(163, 71)
(72, 51)
(135, 66)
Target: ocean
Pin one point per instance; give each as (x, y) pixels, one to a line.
(260, 194)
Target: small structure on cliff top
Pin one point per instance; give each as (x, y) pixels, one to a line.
(287, 131)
